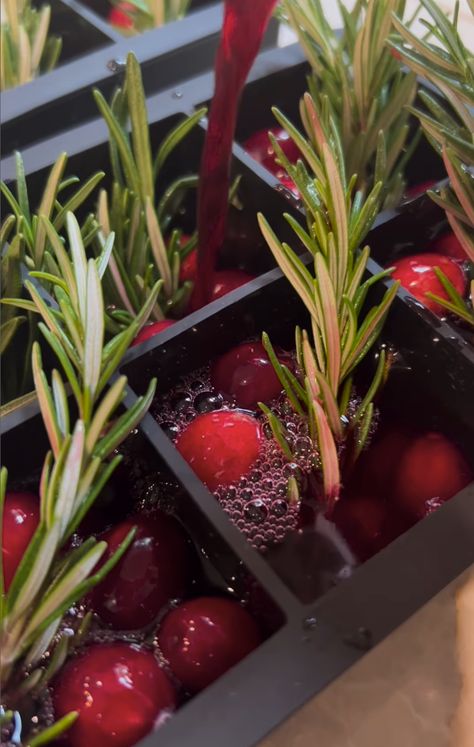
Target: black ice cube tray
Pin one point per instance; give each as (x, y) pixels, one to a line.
(313, 637)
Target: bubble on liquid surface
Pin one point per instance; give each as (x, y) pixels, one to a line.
(207, 402)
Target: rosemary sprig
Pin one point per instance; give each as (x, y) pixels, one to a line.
(49, 578)
(149, 14)
(342, 331)
(359, 89)
(24, 246)
(29, 227)
(448, 123)
(27, 49)
(141, 256)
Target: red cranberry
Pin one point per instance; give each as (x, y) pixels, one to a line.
(225, 281)
(119, 16)
(259, 147)
(120, 692)
(150, 330)
(203, 638)
(152, 571)
(419, 189)
(289, 184)
(246, 375)
(21, 515)
(449, 245)
(431, 470)
(367, 523)
(416, 274)
(188, 267)
(376, 468)
(221, 446)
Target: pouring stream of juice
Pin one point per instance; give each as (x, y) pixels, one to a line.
(244, 24)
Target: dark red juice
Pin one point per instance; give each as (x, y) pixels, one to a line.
(245, 22)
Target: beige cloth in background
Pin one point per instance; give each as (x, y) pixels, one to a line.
(463, 727)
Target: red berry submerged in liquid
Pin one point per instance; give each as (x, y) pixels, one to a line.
(367, 523)
(376, 468)
(203, 638)
(188, 267)
(21, 514)
(225, 281)
(289, 184)
(153, 571)
(419, 189)
(416, 274)
(246, 375)
(150, 330)
(449, 245)
(221, 446)
(120, 16)
(259, 147)
(431, 470)
(121, 694)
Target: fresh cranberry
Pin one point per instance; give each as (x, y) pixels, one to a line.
(120, 692)
(152, 571)
(119, 16)
(259, 147)
(21, 515)
(367, 523)
(203, 638)
(376, 468)
(150, 330)
(221, 446)
(419, 189)
(449, 245)
(246, 376)
(416, 274)
(289, 184)
(225, 281)
(431, 470)
(188, 267)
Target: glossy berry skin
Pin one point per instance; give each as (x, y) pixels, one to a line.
(430, 471)
(188, 267)
(121, 694)
(449, 245)
(416, 274)
(225, 281)
(246, 376)
(119, 17)
(150, 330)
(221, 446)
(153, 571)
(287, 182)
(21, 514)
(259, 147)
(203, 638)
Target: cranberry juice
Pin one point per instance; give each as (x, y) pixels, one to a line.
(244, 25)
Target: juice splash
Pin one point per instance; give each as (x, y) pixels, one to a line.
(244, 24)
